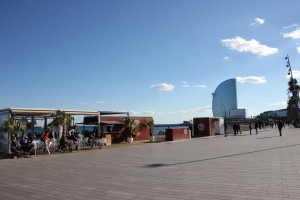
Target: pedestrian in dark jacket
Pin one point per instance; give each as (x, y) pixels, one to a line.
(256, 126)
(239, 128)
(235, 128)
(280, 125)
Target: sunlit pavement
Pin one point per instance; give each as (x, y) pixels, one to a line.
(262, 166)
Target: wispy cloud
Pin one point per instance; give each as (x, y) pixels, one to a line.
(150, 113)
(163, 87)
(226, 58)
(291, 26)
(186, 85)
(278, 103)
(199, 86)
(294, 34)
(252, 46)
(100, 102)
(196, 110)
(298, 49)
(83, 103)
(258, 21)
(251, 79)
(296, 74)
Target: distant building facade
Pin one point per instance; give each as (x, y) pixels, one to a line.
(240, 113)
(282, 113)
(224, 98)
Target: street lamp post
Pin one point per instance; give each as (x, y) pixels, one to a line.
(295, 94)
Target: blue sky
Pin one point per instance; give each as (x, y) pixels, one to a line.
(160, 58)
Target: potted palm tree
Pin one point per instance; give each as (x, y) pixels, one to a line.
(150, 124)
(129, 124)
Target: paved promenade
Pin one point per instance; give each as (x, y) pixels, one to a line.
(263, 166)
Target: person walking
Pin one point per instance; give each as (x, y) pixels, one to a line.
(280, 125)
(45, 139)
(250, 127)
(225, 129)
(235, 128)
(256, 127)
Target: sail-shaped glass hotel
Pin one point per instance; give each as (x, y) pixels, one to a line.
(224, 99)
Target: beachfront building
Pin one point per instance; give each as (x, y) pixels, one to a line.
(224, 103)
(224, 98)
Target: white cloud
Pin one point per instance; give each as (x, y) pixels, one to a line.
(296, 74)
(226, 58)
(294, 34)
(241, 45)
(298, 49)
(290, 26)
(199, 86)
(251, 79)
(279, 103)
(163, 87)
(258, 21)
(83, 103)
(100, 102)
(196, 110)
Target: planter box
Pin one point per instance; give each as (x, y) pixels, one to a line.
(177, 134)
(130, 140)
(152, 138)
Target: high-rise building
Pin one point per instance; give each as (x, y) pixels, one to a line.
(224, 99)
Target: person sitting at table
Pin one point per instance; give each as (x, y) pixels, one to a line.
(26, 145)
(29, 138)
(92, 138)
(62, 142)
(14, 145)
(73, 139)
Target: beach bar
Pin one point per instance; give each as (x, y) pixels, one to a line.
(29, 116)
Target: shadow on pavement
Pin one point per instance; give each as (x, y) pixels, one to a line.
(157, 165)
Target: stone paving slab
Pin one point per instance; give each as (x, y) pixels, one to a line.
(244, 167)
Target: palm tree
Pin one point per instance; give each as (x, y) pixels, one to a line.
(69, 120)
(293, 101)
(129, 123)
(62, 119)
(20, 127)
(9, 126)
(150, 124)
(293, 86)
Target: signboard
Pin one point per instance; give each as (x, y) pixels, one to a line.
(201, 127)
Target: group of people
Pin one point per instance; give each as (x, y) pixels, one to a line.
(68, 141)
(26, 143)
(257, 125)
